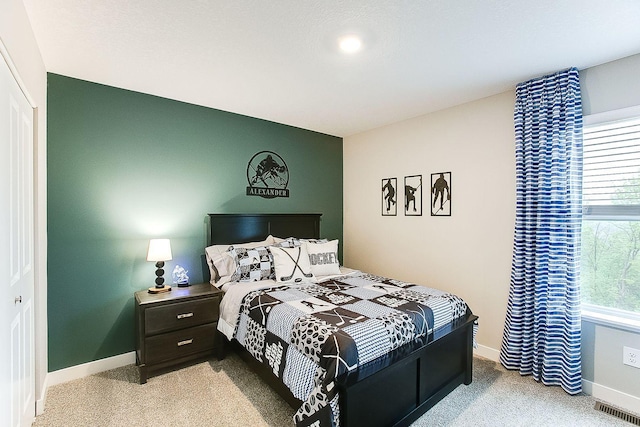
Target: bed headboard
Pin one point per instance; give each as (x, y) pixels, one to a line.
(237, 228)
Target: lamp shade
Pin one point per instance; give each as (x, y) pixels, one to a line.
(159, 250)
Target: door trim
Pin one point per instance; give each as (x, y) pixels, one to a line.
(39, 349)
(14, 72)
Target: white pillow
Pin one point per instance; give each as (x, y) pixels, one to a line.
(323, 257)
(292, 265)
(221, 263)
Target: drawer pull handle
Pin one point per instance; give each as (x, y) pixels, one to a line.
(185, 342)
(184, 315)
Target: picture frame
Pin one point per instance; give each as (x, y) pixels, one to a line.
(441, 194)
(389, 197)
(413, 195)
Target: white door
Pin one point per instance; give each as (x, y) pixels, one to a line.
(17, 361)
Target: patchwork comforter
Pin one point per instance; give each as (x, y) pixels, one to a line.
(310, 333)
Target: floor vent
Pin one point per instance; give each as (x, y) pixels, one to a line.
(607, 409)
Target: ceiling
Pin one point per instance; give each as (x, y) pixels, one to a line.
(279, 60)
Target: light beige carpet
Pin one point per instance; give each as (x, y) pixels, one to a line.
(227, 393)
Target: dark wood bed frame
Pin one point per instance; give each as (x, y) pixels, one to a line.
(394, 390)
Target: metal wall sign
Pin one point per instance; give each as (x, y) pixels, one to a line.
(267, 175)
(413, 195)
(389, 196)
(441, 194)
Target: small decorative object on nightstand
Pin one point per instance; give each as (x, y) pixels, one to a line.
(159, 251)
(176, 327)
(180, 277)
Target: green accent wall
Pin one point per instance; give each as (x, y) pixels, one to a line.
(124, 167)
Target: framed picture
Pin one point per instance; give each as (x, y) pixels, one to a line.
(389, 196)
(413, 195)
(441, 194)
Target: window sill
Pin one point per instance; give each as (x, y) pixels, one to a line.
(617, 319)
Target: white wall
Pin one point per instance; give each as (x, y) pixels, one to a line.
(611, 86)
(607, 87)
(18, 38)
(469, 253)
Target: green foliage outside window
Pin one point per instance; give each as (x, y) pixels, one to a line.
(610, 273)
(610, 256)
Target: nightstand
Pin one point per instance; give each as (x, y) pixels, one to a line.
(175, 327)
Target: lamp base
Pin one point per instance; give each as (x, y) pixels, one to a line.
(154, 290)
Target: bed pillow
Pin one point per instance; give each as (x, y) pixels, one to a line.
(294, 242)
(292, 265)
(289, 242)
(252, 264)
(222, 264)
(323, 257)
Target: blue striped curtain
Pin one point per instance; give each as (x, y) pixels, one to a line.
(542, 327)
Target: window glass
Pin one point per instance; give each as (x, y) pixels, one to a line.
(610, 271)
(610, 251)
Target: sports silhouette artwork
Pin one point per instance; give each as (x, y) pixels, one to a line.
(413, 195)
(389, 196)
(441, 194)
(267, 175)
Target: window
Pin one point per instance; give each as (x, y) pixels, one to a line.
(610, 271)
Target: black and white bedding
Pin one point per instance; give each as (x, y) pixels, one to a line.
(310, 332)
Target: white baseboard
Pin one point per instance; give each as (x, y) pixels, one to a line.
(80, 371)
(614, 397)
(40, 402)
(487, 352)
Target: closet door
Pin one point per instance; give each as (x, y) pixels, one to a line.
(17, 356)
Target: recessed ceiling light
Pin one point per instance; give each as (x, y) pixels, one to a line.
(350, 44)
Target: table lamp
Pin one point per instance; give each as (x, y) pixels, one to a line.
(159, 251)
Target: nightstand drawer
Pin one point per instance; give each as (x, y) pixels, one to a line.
(181, 315)
(173, 345)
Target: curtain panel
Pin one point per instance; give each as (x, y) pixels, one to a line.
(542, 326)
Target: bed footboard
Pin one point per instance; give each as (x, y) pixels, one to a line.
(401, 392)
(395, 391)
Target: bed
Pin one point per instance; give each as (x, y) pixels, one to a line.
(390, 389)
